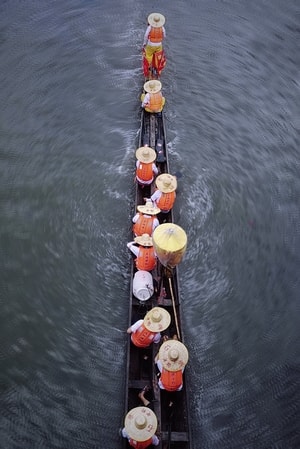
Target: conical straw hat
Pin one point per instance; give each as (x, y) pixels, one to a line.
(173, 355)
(152, 86)
(156, 20)
(148, 208)
(166, 183)
(157, 319)
(144, 240)
(145, 154)
(140, 423)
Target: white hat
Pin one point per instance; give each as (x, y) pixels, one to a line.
(157, 319)
(173, 355)
(166, 183)
(152, 86)
(140, 423)
(144, 240)
(149, 208)
(145, 154)
(156, 20)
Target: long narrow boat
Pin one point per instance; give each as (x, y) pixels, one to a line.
(171, 409)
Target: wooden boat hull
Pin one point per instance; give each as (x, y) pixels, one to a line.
(171, 409)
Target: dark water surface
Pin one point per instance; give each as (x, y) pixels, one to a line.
(70, 83)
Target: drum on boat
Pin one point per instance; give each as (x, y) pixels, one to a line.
(142, 285)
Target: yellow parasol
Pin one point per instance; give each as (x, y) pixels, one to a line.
(169, 241)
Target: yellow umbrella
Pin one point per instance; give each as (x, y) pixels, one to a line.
(169, 241)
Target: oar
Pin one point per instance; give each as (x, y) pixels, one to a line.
(174, 309)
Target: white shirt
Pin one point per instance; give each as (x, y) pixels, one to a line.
(156, 196)
(152, 44)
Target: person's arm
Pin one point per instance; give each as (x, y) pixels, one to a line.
(164, 32)
(146, 35)
(155, 440)
(155, 223)
(146, 100)
(133, 248)
(154, 168)
(134, 327)
(155, 196)
(135, 218)
(159, 365)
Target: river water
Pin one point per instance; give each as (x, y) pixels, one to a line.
(70, 83)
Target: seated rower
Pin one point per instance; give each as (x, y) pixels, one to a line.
(171, 361)
(147, 331)
(145, 253)
(153, 101)
(145, 220)
(145, 167)
(165, 195)
(140, 427)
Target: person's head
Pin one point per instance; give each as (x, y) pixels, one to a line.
(152, 86)
(166, 183)
(140, 423)
(173, 355)
(157, 319)
(144, 240)
(156, 20)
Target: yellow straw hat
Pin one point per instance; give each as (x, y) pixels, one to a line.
(148, 208)
(144, 240)
(156, 20)
(173, 355)
(145, 154)
(166, 183)
(140, 423)
(152, 86)
(157, 319)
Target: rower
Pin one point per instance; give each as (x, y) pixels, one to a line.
(165, 193)
(153, 101)
(144, 252)
(147, 331)
(154, 35)
(145, 167)
(145, 220)
(171, 361)
(139, 428)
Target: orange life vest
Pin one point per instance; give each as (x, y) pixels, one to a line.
(166, 201)
(156, 102)
(144, 171)
(171, 380)
(143, 225)
(156, 35)
(142, 337)
(146, 260)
